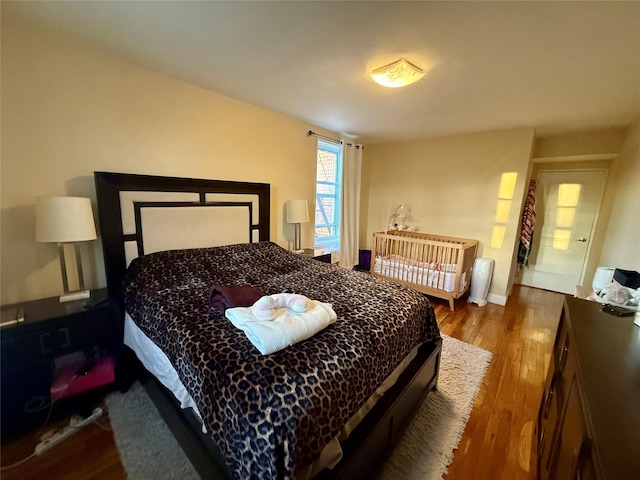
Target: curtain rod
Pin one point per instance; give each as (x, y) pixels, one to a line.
(329, 139)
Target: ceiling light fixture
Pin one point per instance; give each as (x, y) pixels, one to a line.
(397, 74)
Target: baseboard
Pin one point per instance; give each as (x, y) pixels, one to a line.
(497, 299)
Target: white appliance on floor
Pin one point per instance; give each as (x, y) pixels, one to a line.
(480, 281)
(602, 278)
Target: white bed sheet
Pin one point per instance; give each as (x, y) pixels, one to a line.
(154, 360)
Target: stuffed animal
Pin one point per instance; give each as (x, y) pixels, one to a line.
(264, 308)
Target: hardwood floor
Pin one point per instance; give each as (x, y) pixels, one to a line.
(497, 442)
(89, 454)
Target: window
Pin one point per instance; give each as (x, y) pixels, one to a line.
(328, 193)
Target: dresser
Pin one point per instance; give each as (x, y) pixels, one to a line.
(589, 416)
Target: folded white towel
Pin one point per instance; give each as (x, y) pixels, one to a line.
(285, 329)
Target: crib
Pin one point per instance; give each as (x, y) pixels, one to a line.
(432, 264)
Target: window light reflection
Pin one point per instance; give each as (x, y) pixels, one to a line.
(565, 216)
(502, 211)
(497, 236)
(507, 185)
(567, 201)
(569, 194)
(503, 207)
(561, 238)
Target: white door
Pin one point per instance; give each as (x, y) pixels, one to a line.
(567, 204)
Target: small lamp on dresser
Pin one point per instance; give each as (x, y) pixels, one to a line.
(297, 213)
(66, 220)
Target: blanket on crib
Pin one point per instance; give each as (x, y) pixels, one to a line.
(430, 274)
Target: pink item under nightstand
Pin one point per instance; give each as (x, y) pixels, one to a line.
(70, 380)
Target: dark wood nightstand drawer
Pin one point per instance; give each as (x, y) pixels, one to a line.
(31, 342)
(24, 348)
(316, 254)
(325, 257)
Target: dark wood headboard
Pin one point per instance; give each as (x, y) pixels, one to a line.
(220, 212)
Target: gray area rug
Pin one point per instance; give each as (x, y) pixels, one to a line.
(148, 450)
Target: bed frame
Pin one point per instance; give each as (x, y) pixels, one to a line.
(409, 258)
(130, 206)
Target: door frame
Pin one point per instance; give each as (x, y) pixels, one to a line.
(603, 166)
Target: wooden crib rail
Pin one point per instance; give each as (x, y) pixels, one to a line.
(433, 264)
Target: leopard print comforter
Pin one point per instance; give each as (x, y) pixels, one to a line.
(270, 415)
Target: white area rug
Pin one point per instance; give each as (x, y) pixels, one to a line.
(426, 448)
(149, 451)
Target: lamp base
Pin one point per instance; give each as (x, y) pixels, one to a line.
(78, 295)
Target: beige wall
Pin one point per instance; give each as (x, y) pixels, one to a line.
(594, 144)
(451, 184)
(621, 246)
(614, 241)
(68, 111)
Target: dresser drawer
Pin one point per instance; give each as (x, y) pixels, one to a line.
(561, 346)
(571, 442)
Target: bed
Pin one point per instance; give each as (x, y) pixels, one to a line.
(324, 407)
(433, 264)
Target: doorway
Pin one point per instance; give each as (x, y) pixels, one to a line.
(567, 207)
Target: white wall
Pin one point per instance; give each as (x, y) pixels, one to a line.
(621, 248)
(615, 150)
(451, 184)
(68, 111)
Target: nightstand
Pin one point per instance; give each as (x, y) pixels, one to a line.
(52, 336)
(317, 254)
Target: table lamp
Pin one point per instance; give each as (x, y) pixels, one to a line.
(297, 213)
(66, 220)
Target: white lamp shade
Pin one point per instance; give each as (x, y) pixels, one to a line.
(297, 211)
(64, 219)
